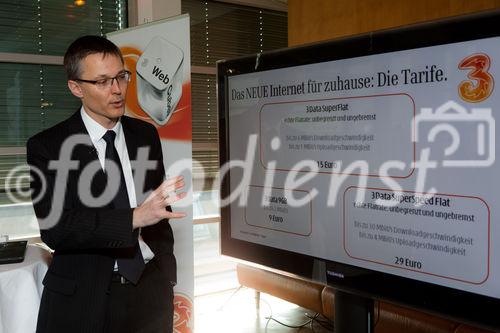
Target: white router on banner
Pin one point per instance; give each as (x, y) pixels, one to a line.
(159, 79)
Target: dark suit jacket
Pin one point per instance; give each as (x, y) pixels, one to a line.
(87, 240)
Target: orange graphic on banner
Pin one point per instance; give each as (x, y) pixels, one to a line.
(182, 314)
(480, 84)
(179, 125)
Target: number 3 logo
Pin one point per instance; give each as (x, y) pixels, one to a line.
(480, 83)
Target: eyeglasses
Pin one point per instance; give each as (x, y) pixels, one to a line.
(122, 78)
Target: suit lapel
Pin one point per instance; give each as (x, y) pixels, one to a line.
(131, 139)
(134, 141)
(86, 154)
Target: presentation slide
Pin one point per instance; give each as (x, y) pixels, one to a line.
(385, 162)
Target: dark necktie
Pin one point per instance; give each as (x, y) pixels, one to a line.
(131, 266)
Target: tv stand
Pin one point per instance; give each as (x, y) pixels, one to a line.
(388, 317)
(353, 313)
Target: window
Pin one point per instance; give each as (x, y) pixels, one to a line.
(33, 93)
(218, 31)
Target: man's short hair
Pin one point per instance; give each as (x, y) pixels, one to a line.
(83, 47)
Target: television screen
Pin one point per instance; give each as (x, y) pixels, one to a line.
(375, 156)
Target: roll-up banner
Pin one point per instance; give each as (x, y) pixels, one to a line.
(158, 55)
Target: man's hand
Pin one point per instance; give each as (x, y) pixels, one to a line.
(152, 210)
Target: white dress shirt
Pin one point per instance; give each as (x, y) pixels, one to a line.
(96, 132)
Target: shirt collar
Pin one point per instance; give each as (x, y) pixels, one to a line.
(96, 130)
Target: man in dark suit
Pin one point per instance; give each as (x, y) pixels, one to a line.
(103, 206)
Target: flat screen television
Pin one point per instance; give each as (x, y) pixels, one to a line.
(368, 163)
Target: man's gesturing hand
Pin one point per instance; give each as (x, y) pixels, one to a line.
(152, 210)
